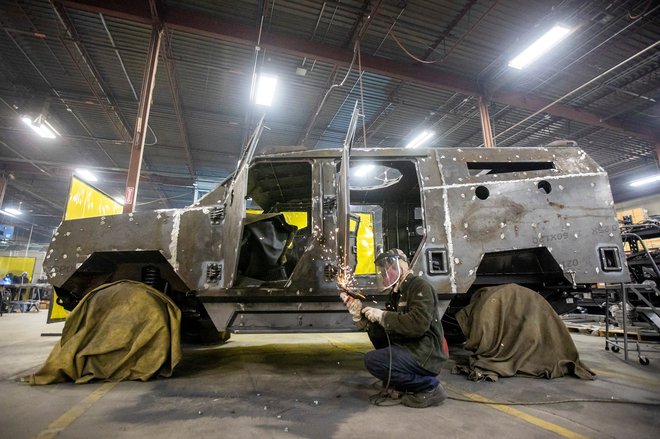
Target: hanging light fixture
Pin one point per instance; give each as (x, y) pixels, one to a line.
(540, 47)
(41, 126)
(86, 175)
(421, 138)
(13, 211)
(265, 89)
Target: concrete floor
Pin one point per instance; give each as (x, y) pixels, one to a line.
(310, 386)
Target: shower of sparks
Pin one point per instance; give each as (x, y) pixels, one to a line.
(345, 278)
(347, 282)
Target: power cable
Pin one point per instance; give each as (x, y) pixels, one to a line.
(381, 398)
(560, 401)
(384, 395)
(327, 93)
(646, 6)
(398, 43)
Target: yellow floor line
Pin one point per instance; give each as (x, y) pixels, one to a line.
(546, 425)
(59, 424)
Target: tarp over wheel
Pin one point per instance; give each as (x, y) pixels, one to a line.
(125, 330)
(513, 330)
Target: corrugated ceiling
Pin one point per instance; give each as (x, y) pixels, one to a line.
(82, 65)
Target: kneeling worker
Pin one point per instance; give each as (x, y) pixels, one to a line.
(407, 336)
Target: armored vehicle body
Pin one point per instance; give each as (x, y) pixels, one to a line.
(261, 252)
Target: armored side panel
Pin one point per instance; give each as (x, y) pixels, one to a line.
(183, 244)
(493, 211)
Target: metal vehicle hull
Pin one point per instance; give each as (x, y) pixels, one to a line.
(541, 217)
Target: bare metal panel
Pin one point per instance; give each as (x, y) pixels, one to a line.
(542, 217)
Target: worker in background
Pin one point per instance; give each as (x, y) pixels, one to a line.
(407, 335)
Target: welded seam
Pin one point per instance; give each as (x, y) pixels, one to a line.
(174, 240)
(523, 180)
(448, 232)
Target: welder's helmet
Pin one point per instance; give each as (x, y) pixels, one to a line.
(388, 269)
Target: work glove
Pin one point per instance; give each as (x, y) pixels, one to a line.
(374, 315)
(354, 306)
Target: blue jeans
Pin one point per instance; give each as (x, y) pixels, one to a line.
(405, 374)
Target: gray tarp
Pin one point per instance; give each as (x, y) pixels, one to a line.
(512, 330)
(120, 331)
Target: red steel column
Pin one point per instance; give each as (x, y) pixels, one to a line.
(137, 148)
(485, 124)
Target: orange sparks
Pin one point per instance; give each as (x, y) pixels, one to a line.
(346, 281)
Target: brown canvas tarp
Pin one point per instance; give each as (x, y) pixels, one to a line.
(512, 330)
(120, 331)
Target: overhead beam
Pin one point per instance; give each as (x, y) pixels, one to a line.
(219, 28)
(450, 27)
(534, 104)
(360, 26)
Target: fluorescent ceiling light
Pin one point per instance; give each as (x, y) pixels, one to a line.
(539, 47)
(44, 129)
(266, 89)
(421, 138)
(645, 181)
(13, 211)
(86, 175)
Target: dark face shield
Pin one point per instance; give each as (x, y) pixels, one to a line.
(388, 272)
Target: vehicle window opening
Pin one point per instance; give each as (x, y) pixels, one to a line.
(277, 222)
(386, 196)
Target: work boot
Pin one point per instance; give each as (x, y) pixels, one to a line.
(428, 398)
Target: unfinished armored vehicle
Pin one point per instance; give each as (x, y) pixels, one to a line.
(261, 252)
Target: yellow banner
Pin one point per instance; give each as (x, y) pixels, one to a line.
(85, 201)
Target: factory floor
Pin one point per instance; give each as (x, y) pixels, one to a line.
(312, 386)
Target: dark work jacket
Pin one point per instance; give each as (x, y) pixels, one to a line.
(412, 321)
